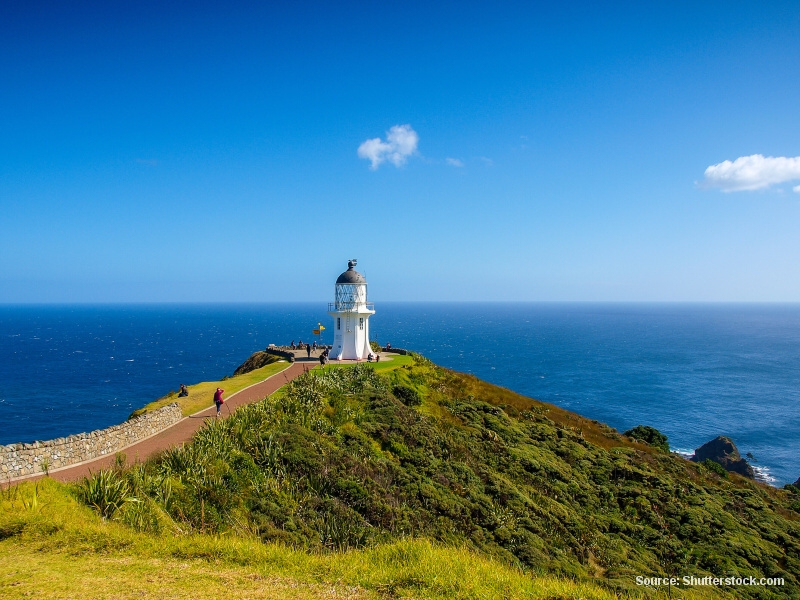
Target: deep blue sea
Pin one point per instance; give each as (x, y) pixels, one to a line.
(693, 371)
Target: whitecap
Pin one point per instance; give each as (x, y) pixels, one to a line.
(762, 475)
(683, 452)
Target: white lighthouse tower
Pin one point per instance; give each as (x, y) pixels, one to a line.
(351, 313)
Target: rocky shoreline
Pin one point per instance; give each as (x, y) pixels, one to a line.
(723, 451)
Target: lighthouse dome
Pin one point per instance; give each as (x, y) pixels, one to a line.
(351, 275)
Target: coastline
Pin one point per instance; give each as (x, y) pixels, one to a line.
(691, 371)
(537, 482)
(178, 432)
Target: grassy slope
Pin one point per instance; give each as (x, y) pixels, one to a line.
(54, 547)
(502, 480)
(201, 395)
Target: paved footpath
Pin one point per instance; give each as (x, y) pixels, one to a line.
(184, 429)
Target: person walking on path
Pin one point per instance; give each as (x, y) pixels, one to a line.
(218, 400)
(308, 349)
(174, 435)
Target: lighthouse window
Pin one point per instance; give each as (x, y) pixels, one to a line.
(361, 323)
(338, 322)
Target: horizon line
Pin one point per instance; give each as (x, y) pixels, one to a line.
(304, 302)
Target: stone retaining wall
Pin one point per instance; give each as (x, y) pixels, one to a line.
(19, 460)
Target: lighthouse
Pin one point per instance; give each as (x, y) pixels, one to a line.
(351, 313)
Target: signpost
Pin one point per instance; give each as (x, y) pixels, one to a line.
(318, 332)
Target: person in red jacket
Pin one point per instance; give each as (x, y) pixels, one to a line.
(218, 399)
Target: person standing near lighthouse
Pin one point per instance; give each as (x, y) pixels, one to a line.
(351, 313)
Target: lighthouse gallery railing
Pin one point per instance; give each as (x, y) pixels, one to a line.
(348, 305)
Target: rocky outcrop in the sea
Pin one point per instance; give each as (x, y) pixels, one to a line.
(797, 483)
(723, 451)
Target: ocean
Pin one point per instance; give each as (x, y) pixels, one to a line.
(693, 371)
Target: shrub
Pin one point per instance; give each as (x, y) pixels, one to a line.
(336, 461)
(650, 436)
(106, 491)
(406, 395)
(715, 467)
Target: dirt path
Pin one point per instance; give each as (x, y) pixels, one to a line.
(183, 430)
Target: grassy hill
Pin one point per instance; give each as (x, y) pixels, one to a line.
(201, 394)
(411, 481)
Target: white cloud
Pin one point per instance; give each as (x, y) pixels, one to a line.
(454, 162)
(753, 172)
(401, 142)
(796, 189)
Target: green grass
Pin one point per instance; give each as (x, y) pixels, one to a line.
(352, 458)
(201, 395)
(397, 361)
(54, 547)
(386, 363)
(343, 485)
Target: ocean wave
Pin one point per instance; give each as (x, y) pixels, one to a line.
(763, 475)
(687, 454)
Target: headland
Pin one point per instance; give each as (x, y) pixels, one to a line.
(356, 464)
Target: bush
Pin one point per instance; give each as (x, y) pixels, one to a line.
(336, 461)
(715, 467)
(106, 492)
(406, 395)
(650, 436)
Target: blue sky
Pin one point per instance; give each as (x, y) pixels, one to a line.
(461, 151)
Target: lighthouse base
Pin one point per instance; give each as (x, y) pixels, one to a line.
(350, 336)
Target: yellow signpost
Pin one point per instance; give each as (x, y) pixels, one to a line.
(318, 333)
